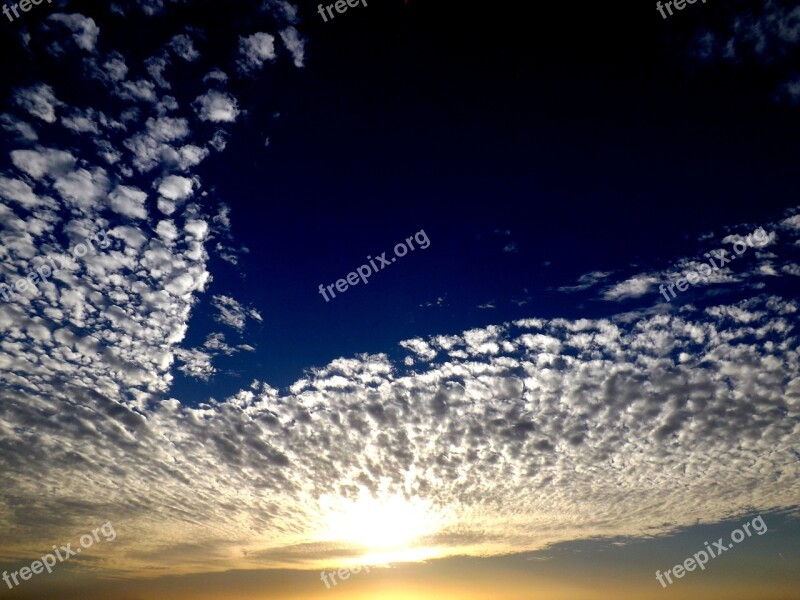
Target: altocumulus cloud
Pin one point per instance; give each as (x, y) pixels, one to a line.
(514, 436)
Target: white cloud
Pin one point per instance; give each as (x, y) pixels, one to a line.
(150, 147)
(115, 66)
(195, 363)
(43, 162)
(231, 313)
(255, 50)
(175, 187)
(156, 66)
(215, 75)
(544, 421)
(197, 228)
(295, 44)
(141, 90)
(39, 100)
(587, 281)
(19, 192)
(81, 122)
(22, 129)
(190, 156)
(128, 201)
(183, 46)
(215, 106)
(84, 29)
(83, 189)
(219, 141)
(635, 287)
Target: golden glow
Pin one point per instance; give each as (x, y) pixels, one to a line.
(386, 526)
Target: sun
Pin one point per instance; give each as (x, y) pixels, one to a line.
(390, 523)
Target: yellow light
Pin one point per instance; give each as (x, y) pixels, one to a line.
(389, 523)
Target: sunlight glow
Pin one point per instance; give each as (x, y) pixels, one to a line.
(390, 523)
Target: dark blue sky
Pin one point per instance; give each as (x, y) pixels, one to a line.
(591, 160)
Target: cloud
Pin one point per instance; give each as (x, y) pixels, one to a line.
(233, 314)
(256, 49)
(115, 66)
(295, 44)
(151, 146)
(175, 187)
(23, 130)
(43, 162)
(83, 189)
(215, 106)
(128, 201)
(635, 287)
(587, 281)
(195, 363)
(141, 90)
(182, 46)
(19, 192)
(499, 438)
(510, 437)
(215, 75)
(39, 100)
(84, 30)
(156, 66)
(81, 122)
(764, 33)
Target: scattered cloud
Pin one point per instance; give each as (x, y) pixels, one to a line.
(84, 30)
(256, 49)
(39, 100)
(216, 106)
(295, 44)
(587, 281)
(233, 314)
(183, 46)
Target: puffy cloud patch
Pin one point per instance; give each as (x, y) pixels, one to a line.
(20, 128)
(84, 29)
(216, 106)
(175, 187)
(572, 429)
(128, 201)
(83, 189)
(255, 50)
(231, 313)
(115, 66)
(635, 287)
(43, 162)
(39, 100)
(295, 44)
(183, 46)
(19, 192)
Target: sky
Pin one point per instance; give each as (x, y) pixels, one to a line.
(497, 301)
